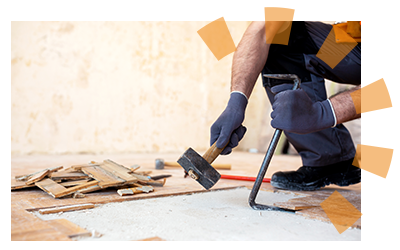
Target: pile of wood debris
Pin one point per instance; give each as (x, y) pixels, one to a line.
(77, 180)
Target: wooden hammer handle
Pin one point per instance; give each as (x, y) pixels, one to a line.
(216, 166)
(222, 166)
(212, 153)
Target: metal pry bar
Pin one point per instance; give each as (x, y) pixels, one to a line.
(270, 152)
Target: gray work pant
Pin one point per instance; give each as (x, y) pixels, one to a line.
(330, 145)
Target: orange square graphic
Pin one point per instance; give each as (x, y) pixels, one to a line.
(218, 39)
(332, 52)
(280, 14)
(375, 160)
(371, 97)
(340, 211)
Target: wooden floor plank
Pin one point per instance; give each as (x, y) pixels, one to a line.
(63, 175)
(118, 170)
(68, 228)
(17, 184)
(66, 208)
(73, 189)
(105, 178)
(27, 227)
(50, 186)
(309, 206)
(37, 177)
(57, 191)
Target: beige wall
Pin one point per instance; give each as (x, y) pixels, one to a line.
(105, 87)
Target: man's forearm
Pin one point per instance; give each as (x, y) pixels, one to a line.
(251, 55)
(344, 107)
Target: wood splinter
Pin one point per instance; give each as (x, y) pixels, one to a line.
(66, 208)
(135, 190)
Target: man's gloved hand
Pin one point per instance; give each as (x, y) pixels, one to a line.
(228, 127)
(293, 111)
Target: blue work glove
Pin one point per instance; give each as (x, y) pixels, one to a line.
(293, 111)
(228, 127)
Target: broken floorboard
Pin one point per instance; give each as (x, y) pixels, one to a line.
(57, 191)
(309, 205)
(66, 208)
(105, 174)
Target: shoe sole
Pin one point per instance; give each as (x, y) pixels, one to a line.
(351, 178)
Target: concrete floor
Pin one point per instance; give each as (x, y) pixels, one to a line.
(218, 215)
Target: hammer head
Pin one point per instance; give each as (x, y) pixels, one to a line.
(199, 169)
(159, 163)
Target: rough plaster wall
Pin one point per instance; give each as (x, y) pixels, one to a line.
(101, 87)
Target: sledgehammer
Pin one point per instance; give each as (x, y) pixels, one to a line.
(199, 167)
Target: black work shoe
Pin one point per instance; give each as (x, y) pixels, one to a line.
(312, 178)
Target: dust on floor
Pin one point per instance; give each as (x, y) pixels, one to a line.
(216, 215)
